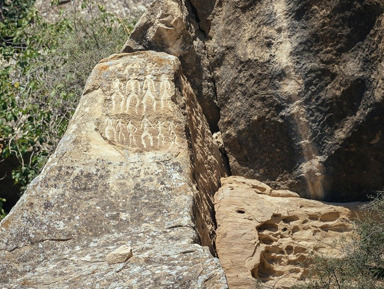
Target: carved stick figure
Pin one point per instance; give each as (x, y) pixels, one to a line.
(165, 87)
(145, 124)
(172, 134)
(160, 134)
(149, 88)
(121, 136)
(110, 130)
(117, 96)
(133, 91)
(131, 133)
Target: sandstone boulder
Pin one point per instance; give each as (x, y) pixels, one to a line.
(136, 169)
(271, 239)
(295, 87)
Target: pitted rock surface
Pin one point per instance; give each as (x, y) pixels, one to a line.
(122, 176)
(295, 87)
(271, 235)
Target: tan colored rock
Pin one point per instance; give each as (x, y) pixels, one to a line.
(284, 194)
(136, 167)
(270, 238)
(120, 255)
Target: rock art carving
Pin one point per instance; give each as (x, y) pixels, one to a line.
(118, 98)
(145, 125)
(125, 134)
(172, 134)
(120, 130)
(149, 88)
(131, 133)
(132, 89)
(139, 100)
(165, 87)
(109, 130)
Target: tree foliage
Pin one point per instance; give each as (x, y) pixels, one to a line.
(44, 67)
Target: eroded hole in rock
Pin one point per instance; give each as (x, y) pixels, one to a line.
(289, 249)
(313, 217)
(295, 229)
(295, 271)
(299, 249)
(336, 228)
(274, 250)
(265, 239)
(297, 261)
(290, 219)
(264, 270)
(268, 227)
(240, 211)
(330, 217)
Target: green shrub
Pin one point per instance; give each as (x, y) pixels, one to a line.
(363, 264)
(44, 67)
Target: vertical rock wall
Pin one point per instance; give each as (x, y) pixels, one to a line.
(122, 175)
(295, 87)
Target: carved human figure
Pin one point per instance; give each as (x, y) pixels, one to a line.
(110, 131)
(149, 94)
(172, 134)
(132, 89)
(120, 131)
(145, 125)
(131, 133)
(165, 87)
(160, 136)
(117, 97)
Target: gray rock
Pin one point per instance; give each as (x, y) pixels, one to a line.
(136, 167)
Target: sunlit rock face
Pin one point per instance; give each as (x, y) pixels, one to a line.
(295, 87)
(271, 236)
(123, 9)
(126, 199)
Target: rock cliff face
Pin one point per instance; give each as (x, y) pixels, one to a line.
(136, 170)
(271, 235)
(295, 87)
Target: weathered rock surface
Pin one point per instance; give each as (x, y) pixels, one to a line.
(121, 8)
(297, 86)
(268, 238)
(171, 26)
(137, 168)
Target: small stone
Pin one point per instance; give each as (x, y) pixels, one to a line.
(120, 255)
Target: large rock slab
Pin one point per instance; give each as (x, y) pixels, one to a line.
(136, 169)
(298, 86)
(270, 235)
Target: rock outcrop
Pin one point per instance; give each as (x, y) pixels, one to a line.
(126, 199)
(123, 9)
(271, 235)
(295, 87)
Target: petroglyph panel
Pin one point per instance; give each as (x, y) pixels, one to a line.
(139, 111)
(141, 95)
(141, 135)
